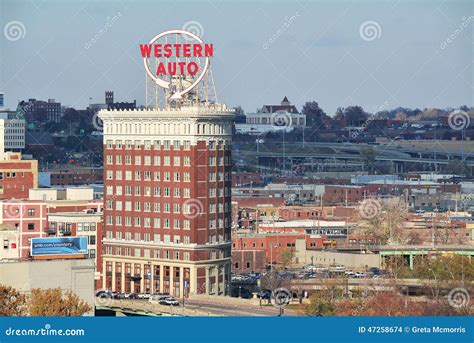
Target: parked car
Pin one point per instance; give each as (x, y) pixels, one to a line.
(119, 296)
(156, 298)
(104, 294)
(375, 271)
(169, 301)
(133, 296)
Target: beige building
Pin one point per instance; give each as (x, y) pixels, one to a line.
(324, 257)
(69, 275)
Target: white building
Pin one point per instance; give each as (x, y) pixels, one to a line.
(273, 118)
(12, 130)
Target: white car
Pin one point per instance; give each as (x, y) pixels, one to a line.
(155, 298)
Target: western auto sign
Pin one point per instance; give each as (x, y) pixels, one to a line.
(185, 56)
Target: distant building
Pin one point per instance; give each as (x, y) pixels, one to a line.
(12, 129)
(344, 194)
(75, 176)
(109, 98)
(246, 247)
(273, 118)
(42, 111)
(111, 105)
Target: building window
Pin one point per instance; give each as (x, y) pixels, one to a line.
(31, 226)
(31, 212)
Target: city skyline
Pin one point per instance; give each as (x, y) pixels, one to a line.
(374, 55)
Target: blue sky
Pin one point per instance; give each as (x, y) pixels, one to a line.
(319, 54)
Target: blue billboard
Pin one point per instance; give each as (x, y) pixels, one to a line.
(58, 246)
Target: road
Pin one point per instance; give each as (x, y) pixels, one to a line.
(193, 307)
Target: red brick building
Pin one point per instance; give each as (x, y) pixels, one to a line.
(245, 179)
(76, 176)
(245, 248)
(17, 176)
(344, 194)
(167, 192)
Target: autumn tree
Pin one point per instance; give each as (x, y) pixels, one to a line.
(323, 302)
(53, 302)
(386, 225)
(12, 302)
(272, 281)
(381, 304)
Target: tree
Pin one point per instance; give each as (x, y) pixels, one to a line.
(355, 115)
(323, 302)
(286, 257)
(315, 116)
(385, 223)
(368, 155)
(12, 302)
(319, 306)
(53, 302)
(381, 304)
(272, 281)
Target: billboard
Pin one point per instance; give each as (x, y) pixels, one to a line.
(58, 246)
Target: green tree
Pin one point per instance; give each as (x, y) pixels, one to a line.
(315, 116)
(355, 115)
